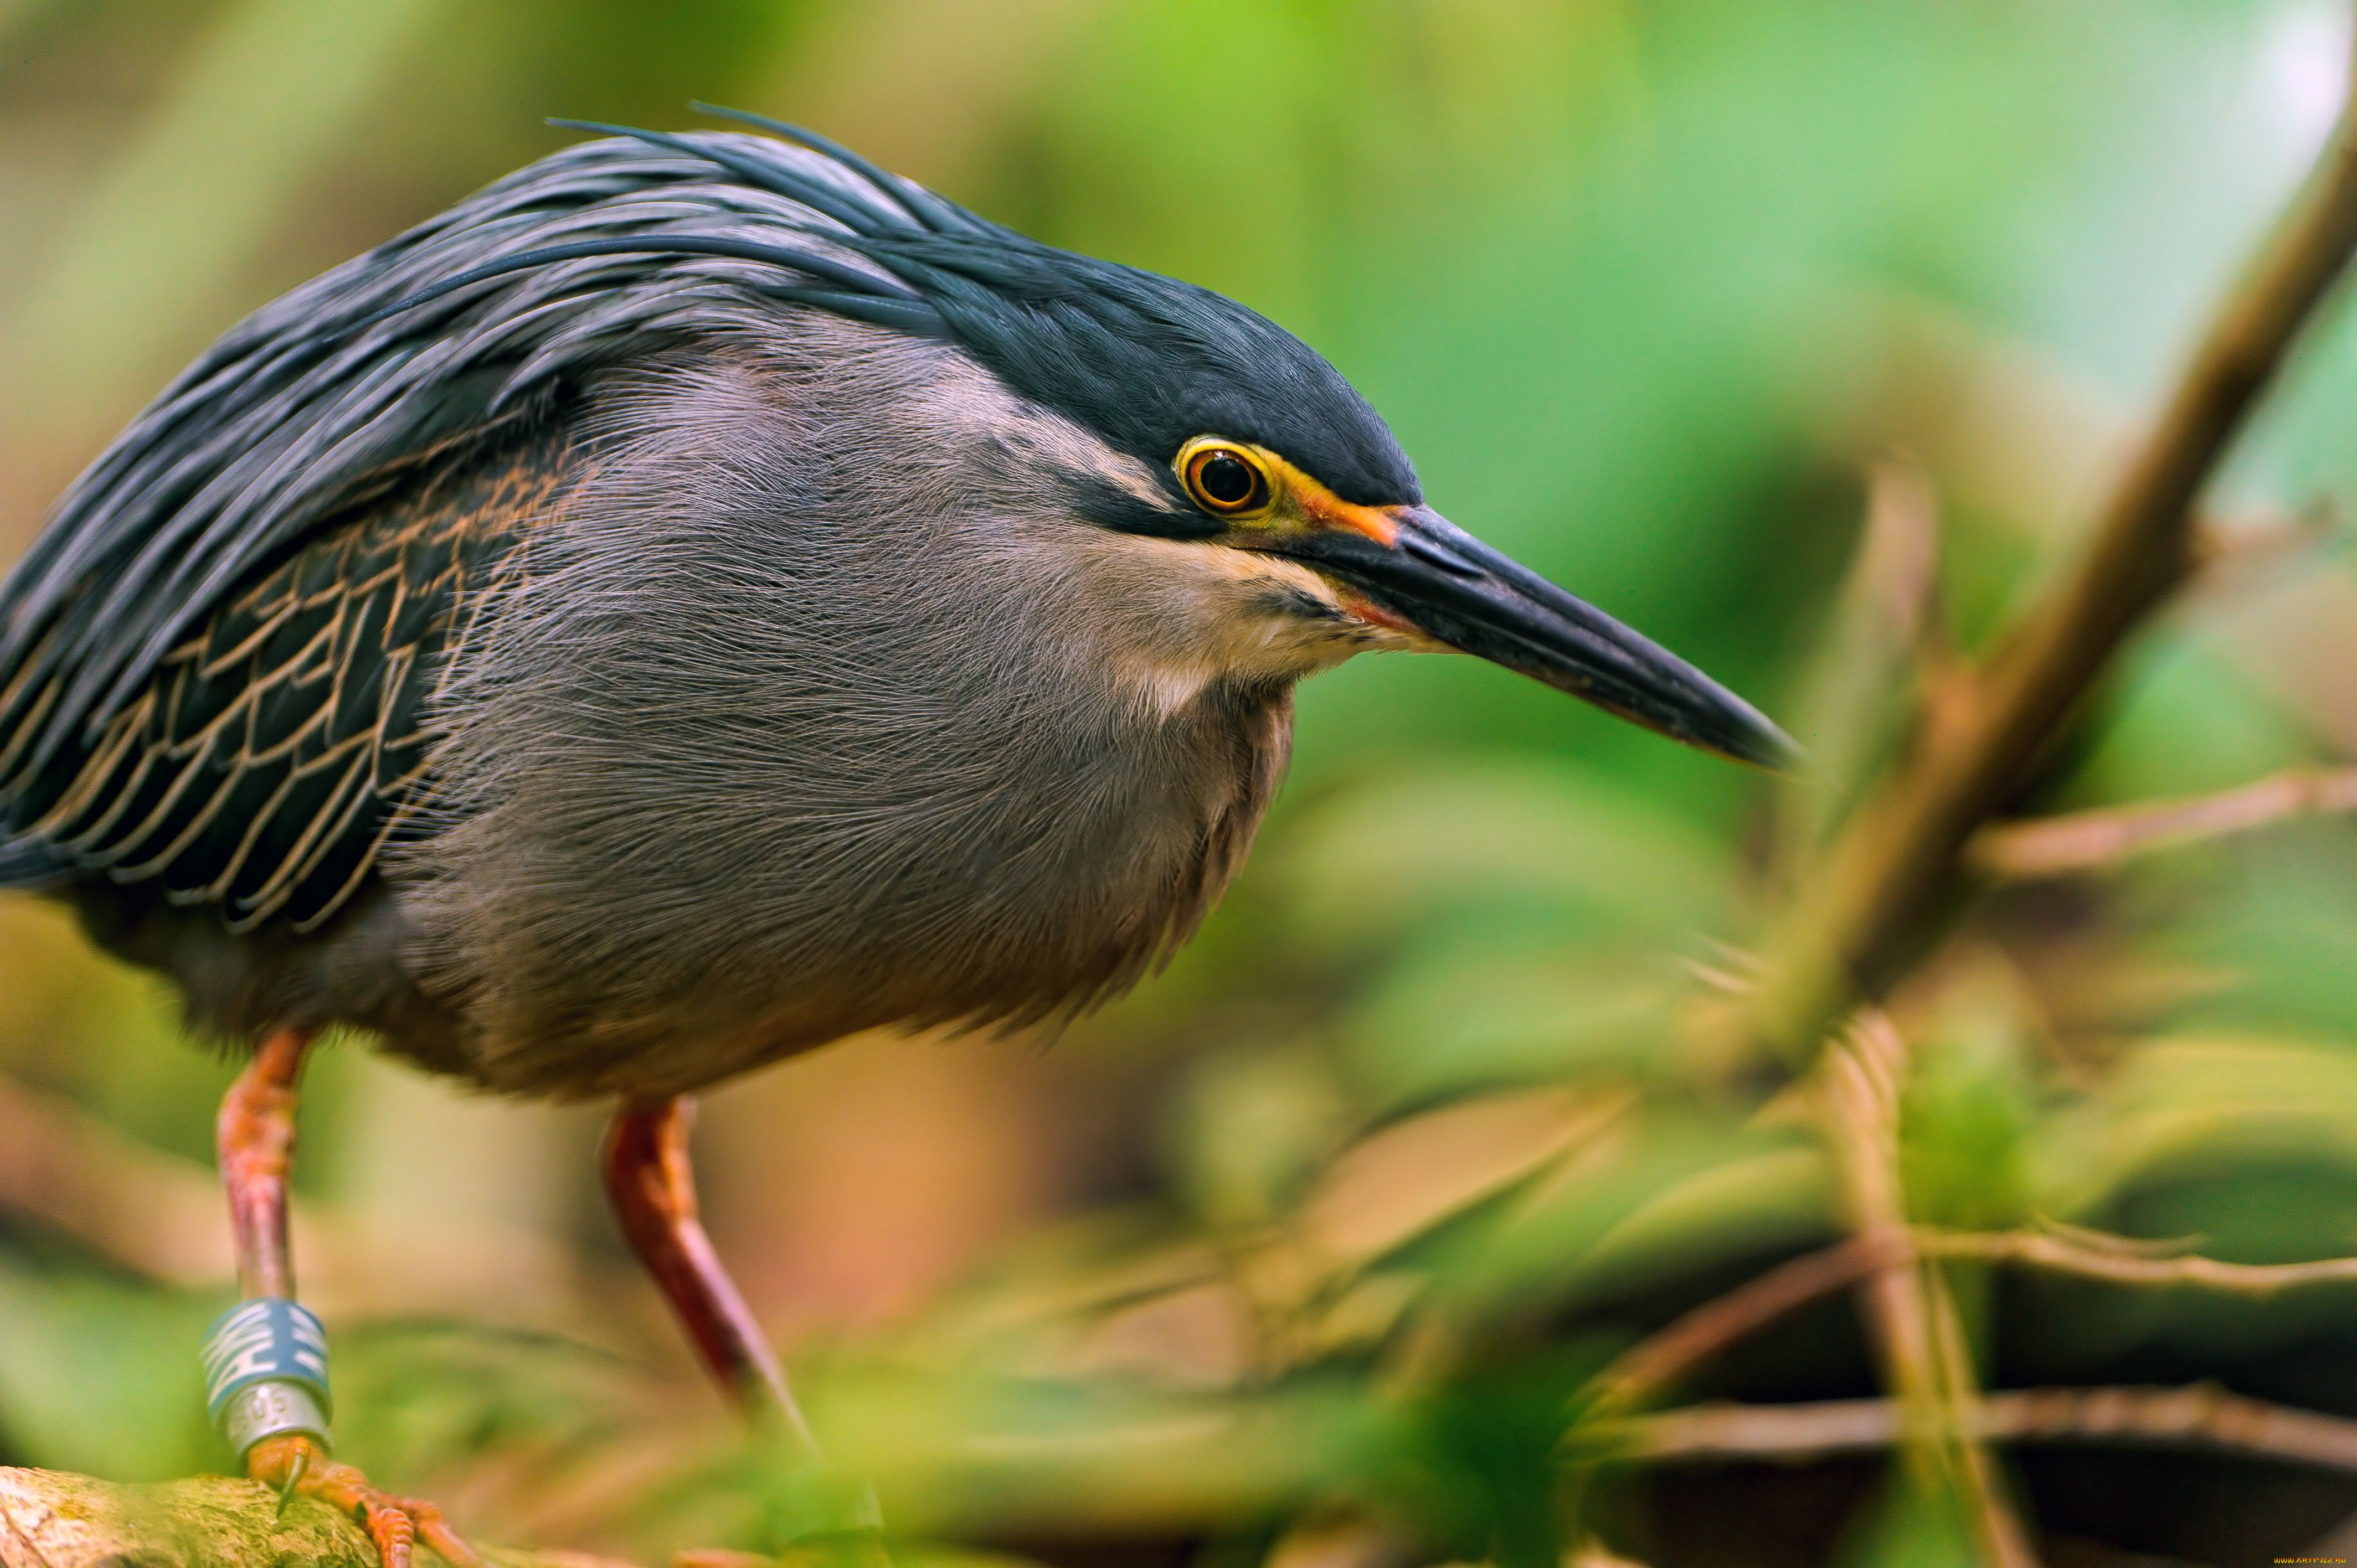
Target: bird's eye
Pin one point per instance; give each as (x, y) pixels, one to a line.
(1225, 480)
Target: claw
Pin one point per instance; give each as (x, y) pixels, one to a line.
(293, 1479)
(297, 1465)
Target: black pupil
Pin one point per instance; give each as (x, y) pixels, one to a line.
(1226, 480)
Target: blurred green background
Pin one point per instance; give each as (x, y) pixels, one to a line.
(1304, 1253)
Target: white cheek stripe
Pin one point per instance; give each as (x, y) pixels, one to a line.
(1199, 613)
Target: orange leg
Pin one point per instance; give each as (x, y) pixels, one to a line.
(256, 1138)
(653, 1190)
(256, 1134)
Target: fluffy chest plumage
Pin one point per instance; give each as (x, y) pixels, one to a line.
(607, 915)
(755, 749)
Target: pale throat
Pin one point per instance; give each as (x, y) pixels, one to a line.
(1181, 616)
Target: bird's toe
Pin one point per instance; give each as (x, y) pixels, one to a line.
(298, 1465)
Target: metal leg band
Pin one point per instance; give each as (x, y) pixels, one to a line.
(266, 1372)
(269, 1410)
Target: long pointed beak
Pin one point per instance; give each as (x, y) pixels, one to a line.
(1449, 586)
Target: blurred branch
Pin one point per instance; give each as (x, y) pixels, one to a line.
(2229, 550)
(2065, 1255)
(161, 1216)
(1883, 630)
(152, 1212)
(1674, 1351)
(1876, 900)
(2202, 1416)
(49, 1519)
(2083, 841)
(1910, 1313)
(1678, 1349)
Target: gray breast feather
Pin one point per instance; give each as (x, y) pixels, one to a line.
(800, 723)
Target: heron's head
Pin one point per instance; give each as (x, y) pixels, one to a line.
(1224, 471)
(1243, 471)
(1250, 498)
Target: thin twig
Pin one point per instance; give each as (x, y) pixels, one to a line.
(2083, 840)
(2231, 549)
(1985, 1486)
(1861, 1081)
(2065, 1256)
(1883, 630)
(1878, 896)
(1908, 1309)
(2202, 1416)
(1660, 1360)
(1674, 1351)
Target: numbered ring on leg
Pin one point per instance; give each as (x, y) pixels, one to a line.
(266, 1372)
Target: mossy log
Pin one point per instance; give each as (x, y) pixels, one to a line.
(49, 1519)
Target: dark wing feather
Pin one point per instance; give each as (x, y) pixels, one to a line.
(267, 761)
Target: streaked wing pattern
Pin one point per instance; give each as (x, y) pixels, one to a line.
(267, 761)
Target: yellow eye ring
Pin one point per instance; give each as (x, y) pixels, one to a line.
(1224, 478)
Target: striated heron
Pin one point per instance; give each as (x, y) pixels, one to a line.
(699, 598)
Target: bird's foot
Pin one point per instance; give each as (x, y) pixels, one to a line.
(296, 1465)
